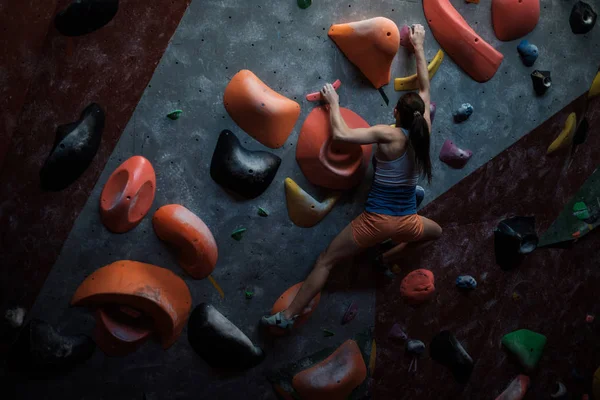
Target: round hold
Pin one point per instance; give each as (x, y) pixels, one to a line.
(417, 287)
(128, 195)
(415, 347)
(405, 38)
(582, 18)
(528, 52)
(466, 282)
(463, 113)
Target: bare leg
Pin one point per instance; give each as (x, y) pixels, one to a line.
(431, 231)
(343, 246)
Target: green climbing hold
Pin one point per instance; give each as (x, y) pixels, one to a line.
(304, 4)
(238, 233)
(262, 212)
(526, 345)
(174, 114)
(580, 210)
(327, 333)
(249, 294)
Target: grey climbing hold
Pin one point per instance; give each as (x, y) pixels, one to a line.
(528, 52)
(350, 313)
(560, 392)
(582, 18)
(397, 333)
(466, 282)
(448, 351)
(514, 237)
(85, 16)
(463, 113)
(415, 347)
(420, 194)
(541, 81)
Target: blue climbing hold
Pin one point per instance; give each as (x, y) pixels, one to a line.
(528, 52)
(466, 282)
(420, 193)
(463, 113)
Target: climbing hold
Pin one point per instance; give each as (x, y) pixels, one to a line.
(74, 149)
(528, 52)
(41, 351)
(472, 1)
(244, 172)
(128, 195)
(316, 96)
(85, 16)
(121, 330)
(513, 19)
(350, 313)
(415, 347)
(189, 236)
(262, 212)
(261, 112)
(219, 342)
(411, 82)
(370, 45)
(466, 282)
(526, 345)
(328, 163)
(475, 56)
(304, 4)
(560, 392)
(335, 377)
(154, 291)
(516, 390)
(249, 294)
(405, 38)
(420, 194)
(583, 18)
(446, 350)
(303, 209)
(284, 301)
(565, 138)
(454, 156)
(581, 211)
(328, 333)
(581, 133)
(595, 87)
(596, 384)
(463, 113)
(541, 81)
(432, 110)
(397, 333)
(174, 114)
(238, 234)
(513, 237)
(417, 287)
(589, 318)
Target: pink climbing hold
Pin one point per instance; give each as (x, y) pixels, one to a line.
(350, 313)
(516, 390)
(316, 96)
(432, 109)
(405, 39)
(453, 155)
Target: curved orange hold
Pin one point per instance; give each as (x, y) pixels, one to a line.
(128, 195)
(513, 19)
(190, 237)
(154, 291)
(333, 378)
(370, 45)
(284, 301)
(331, 164)
(263, 113)
(474, 55)
(119, 332)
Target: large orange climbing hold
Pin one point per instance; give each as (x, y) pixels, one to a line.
(154, 291)
(333, 378)
(284, 301)
(370, 45)
(417, 287)
(328, 163)
(263, 113)
(475, 56)
(190, 237)
(128, 195)
(513, 19)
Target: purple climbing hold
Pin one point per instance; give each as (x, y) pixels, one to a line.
(350, 313)
(432, 109)
(397, 333)
(454, 156)
(405, 38)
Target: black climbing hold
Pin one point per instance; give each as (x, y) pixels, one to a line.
(85, 16)
(514, 237)
(219, 342)
(384, 96)
(583, 18)
(304, 4)
(415, 347)
(74, 148)
(446, 350)
(244, 172)
(41, 351)
(541, 81)
(581, 133)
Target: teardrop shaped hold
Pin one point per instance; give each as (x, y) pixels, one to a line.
(85, 16)
(121, 330)
(261, 112)
(189, 236)
(219, 342)
(454, 156)
(527, 346)
(513, 19)
(244, 172)
(303, 209)
(448, 351)
(284, 301)
(328, 163)
(418, 287)
(74, 149)
(128, 195)
(516, 390)
(370, 44)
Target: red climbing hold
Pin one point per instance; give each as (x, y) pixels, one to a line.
(516, 390)
(453, 155)
(417, 287)
(316, 96)
(513, 19)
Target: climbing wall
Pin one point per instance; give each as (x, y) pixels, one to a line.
(289, 50)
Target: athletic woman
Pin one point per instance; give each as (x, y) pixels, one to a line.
(402, 156)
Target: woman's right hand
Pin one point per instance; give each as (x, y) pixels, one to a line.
(417, 35)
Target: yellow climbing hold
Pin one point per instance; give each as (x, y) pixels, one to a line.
(216, 285)
(566, 136)
(595, 88)
(373, 358)
(411, 82)
(596, 384)
(303, 209)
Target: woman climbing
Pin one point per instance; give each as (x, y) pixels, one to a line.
(391, 210)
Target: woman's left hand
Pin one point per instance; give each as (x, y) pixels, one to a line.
(329, 95)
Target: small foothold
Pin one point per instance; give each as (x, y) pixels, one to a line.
(238, 233)
(304, 4)
(560, 392)
(405, 38)
(514, 237)
(583, 18)
(415, 347)
(516, 296)
(15, 317)
(466, 282)
(249, 294)
(420, 194)
(350, 313)
(472, 1)
(432, 110)
(174, 114)
(589, 318)
(516, 390)
(541, 81)
(448, 351)
(262, 212)
(527, 346)
(453, 155)
(580, 210)
(528, 52)
(327, 333)
(463, 113)
(397, 333)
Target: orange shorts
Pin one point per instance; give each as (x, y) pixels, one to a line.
(369, 229)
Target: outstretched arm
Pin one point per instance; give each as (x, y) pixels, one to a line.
(417, 37)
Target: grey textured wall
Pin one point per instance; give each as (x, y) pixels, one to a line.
(289, 50)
